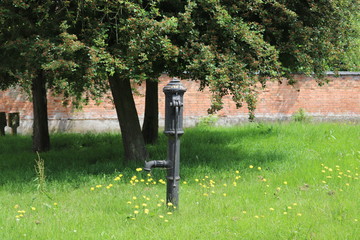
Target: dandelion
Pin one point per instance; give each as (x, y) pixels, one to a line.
(134, 198)
(139, 169)
(184, 182)
(55, 204)
(289, 207)
(169, 213)
(166, 220)
(323, 182)
(196, 180)
(92, 188)
(144, 205)
(224, 194)
(251, 166)
(328, 176)
(149, 174)
(161, 216)
(355, 219)
(234, 184)
(278, 189)
(323, 171)
(295, 204)
(330, 169)
(271, 209)
(259, 168)
(136, 206)
(299, 214)
(225, 185)
(285, 182)
(117, 179)
(170, 204)
(256, 216)
(285, 213)
(142, 180)
(206, 176)
(33, 208)
(237, 177)
(244, 212)
(205, 194)
(16, 206)
(347, 184)
(146, 211)
(129, 202)
(159, 205)
(237, 172)
(162, 200)
(136, 212)
(98, 186)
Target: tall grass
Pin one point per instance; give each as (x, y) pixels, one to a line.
(258, 181)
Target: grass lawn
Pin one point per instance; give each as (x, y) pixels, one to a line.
(258, 181)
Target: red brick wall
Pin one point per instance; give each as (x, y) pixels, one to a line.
(338, 99)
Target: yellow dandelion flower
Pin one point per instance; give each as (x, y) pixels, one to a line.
(289, 207)
(98, 186)
(299, 214)
(169, 213)
(17, 216)
(166, 220)
(16, 206)
(256, 216)
(341, 190)
(271, 209)
(117, 179)
(148, 199)
(330, 169)
(134, 198)
(323, 171)
(285, 213)
(196, 180)
(224, 194)
(55, 204)
(259, 168)
(144, 204)
(295, 204)
(108, 187)
(234, 184)
(225, 185)
(129, 202)
(161, 216)
(136, 206)
(146, 211)
(139, 169)
(323, 182)
(328, 176)
(136, 212)
(206, 176)
(278, 188)
(237, 172)
(348, 171)
(264, 180)
(33, 208)
(347, 184)
(159, 205)
(184, 182)
(142, 180)
(92, 188)
(170, 204)
(237, 177)
(205, 194)
(149, 174)
(162, 200)
(285, 182)
(244, 212)
(251, 166)
(356, 220)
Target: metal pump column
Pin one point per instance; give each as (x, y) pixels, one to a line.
(174, 93)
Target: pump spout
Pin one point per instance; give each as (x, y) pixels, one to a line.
(156, 164)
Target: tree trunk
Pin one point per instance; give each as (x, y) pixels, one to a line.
(133, 141)
(150, 129)
(41, 138)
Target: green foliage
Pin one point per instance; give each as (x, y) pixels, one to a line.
(232, 47)
(207, 121)
(301, 116)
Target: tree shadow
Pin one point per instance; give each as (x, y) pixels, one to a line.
(76, 158)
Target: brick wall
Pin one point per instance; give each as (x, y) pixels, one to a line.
(338, 100)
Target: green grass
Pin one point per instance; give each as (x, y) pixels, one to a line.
(307, 187)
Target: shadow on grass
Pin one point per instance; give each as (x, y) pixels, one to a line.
(75, 157)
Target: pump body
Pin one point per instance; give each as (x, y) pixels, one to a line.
(174, 93)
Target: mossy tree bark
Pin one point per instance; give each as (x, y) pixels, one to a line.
(41, 137)
(150, 129)
(133, 141)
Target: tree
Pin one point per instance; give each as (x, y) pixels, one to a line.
(38, 54)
